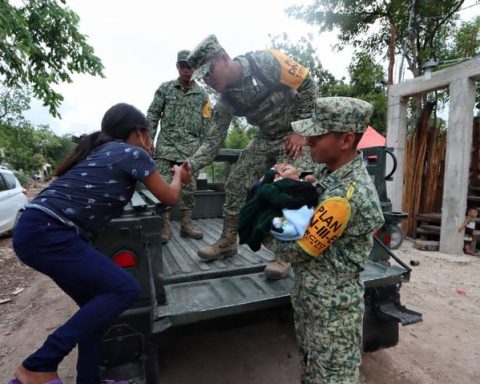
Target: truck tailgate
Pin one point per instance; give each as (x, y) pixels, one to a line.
(194, 301)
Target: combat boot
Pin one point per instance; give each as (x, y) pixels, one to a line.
(166, 231)
(226, 245)
(187, 229)
(277, 269)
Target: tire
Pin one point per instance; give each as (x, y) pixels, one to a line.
(396, 236)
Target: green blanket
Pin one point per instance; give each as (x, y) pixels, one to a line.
(257, 214)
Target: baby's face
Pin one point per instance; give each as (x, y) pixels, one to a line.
(287, 171)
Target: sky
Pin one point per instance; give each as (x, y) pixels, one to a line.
(137, 42)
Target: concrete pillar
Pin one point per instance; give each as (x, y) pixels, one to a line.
(396, 138)
(457, 163)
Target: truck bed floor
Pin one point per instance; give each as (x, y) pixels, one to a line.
(187, 266)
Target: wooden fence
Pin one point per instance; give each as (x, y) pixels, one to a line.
(425, 166)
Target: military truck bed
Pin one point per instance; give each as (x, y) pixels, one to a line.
(181, 263)
(195, 290)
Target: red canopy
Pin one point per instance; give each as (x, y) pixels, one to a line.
(371, 138)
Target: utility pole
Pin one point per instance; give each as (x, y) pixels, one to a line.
(409, 31)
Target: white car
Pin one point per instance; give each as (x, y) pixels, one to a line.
(13, 199)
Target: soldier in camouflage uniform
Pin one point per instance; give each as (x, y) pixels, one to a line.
(185, 113)
(270, 90)
(327, 297)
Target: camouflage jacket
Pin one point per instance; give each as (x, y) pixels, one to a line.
(275, 91)
(184, 119)
(349, 253)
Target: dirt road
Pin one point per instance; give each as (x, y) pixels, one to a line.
(445, 348)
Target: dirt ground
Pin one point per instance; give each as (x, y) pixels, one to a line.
(445, 348)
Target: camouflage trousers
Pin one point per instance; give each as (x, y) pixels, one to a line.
(328, 319)
(187, 198)
(259, 156)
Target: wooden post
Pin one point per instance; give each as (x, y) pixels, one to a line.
(397, 138)
(457, 163)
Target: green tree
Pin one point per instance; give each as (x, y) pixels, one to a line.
(19, 153)
(52, 148)
(27, 148)
(13, 102)
(22, 146)
(367, 78)
(368, 83)
(303, 52)
(466, 40)
(239, 133)
(41, 46)
(417, 29)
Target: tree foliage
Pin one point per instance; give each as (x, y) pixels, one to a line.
(239, 134)
(367, 78)
(418, 29)
(466, 41)
(303, 51)
(368, 83)
(22, 146)
(26, 148)
(17, 150)
(13, 102)
(41, 46)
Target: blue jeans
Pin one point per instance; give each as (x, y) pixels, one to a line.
(101, 289)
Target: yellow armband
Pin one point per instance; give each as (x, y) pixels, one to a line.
(292, 74)
(327, 224)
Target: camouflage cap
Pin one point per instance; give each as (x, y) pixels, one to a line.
(335, 114)
(201, 56)
(182, 55)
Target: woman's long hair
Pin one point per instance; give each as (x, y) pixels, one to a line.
(117, 124)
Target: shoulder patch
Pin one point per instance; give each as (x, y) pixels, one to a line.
(292, 74)
(207, 110)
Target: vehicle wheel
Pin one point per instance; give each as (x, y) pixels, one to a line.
(396, 236)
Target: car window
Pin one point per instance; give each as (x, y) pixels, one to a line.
(10, 180)
(3, 184)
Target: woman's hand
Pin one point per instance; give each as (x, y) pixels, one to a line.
(184, 171)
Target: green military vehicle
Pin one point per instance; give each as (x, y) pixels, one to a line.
(179, 289)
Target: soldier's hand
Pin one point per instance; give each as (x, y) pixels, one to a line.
(294, 145)
(310, 179)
